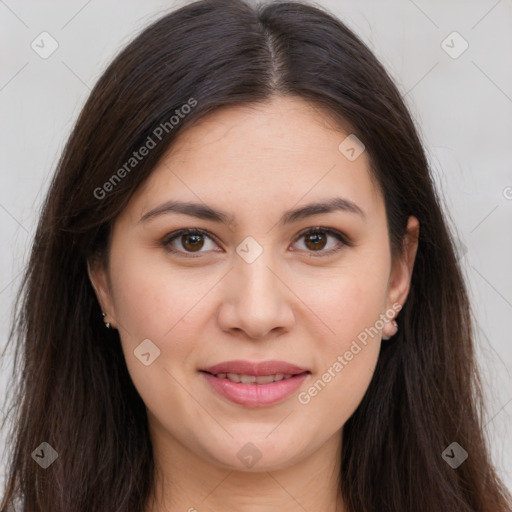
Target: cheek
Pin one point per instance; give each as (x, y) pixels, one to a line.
(151, 296)
(349, 302)
(346, 358)
(354, 339)
(151, 302)
(348, 298)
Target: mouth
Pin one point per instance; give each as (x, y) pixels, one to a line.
(254, 379)
(255, 384)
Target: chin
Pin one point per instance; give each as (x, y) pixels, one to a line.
(254, 457)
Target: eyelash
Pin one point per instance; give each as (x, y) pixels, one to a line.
(166, 242)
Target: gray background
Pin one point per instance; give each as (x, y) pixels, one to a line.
(463, 107)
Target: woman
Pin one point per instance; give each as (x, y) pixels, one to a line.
(242, 293)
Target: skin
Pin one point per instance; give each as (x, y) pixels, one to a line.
(254, 162)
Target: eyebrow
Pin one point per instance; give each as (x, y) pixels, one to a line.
(203, 211)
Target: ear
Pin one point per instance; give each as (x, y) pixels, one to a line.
(401, 273)
(98, 275)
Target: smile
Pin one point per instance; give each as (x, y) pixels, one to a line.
(252, 390)
(251, 379)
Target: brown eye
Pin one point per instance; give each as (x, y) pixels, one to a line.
(192, 242)
(187, 241)
(317, 239)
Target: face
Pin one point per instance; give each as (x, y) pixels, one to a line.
(259, 284)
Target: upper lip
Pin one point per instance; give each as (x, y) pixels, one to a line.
(257, 368)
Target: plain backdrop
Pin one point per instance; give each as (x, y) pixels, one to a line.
(462, 103)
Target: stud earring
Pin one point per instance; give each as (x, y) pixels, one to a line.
(395, 325)
(107, 324)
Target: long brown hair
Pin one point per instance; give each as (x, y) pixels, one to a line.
(73, 389)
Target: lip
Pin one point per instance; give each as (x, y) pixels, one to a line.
(255, 395)
(257, 368)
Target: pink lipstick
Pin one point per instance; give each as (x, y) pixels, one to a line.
(255, 384)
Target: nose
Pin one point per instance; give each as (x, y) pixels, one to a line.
(256, 299)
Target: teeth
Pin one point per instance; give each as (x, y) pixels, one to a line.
(251, 379)
(264, 379)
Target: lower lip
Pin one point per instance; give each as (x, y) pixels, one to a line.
(255, 395)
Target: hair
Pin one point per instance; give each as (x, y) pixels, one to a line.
(74, 390)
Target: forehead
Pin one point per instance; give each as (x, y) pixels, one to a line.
(258, 157)
(283, 128)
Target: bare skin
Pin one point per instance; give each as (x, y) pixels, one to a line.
(298, 301)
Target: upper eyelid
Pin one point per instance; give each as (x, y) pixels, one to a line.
(180, 232)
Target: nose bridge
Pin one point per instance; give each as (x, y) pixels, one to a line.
(258, 281)
(256, 294)
(259, 284)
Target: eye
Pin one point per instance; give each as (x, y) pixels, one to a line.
(315, 240)
(192, 240)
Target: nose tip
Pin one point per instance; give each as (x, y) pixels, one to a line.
(256, 301)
